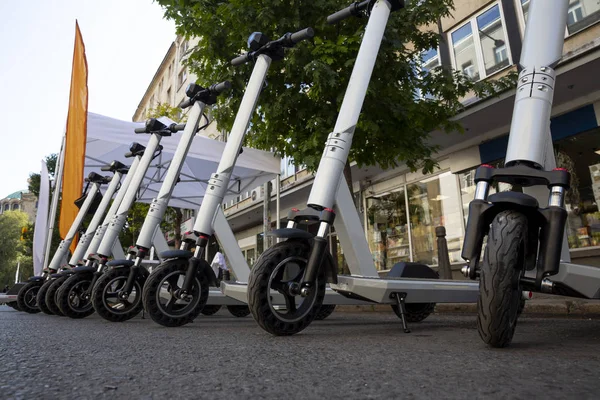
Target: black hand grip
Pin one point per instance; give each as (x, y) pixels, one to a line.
(220, 87)
(304, 34)
(106, 168)
(177, 128)
(240, 60)
(140, 130)
(347, 12)
(129, 154)
(186, 103)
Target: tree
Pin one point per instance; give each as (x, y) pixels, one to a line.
(298, 108)
(34, 179)
(12, 247)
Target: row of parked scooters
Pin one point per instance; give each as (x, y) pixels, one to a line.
(286, 290)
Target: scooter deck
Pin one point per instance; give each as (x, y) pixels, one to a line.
(7, 298)
(584, 279)
(417, 290)
(239, 291)
(216, 297)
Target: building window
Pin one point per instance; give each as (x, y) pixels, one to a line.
(581, 14)
(169, 100)
(480, 46)
(183, 49)
(7, 207)
(152, 101)
(15, 207)
(430, 59)
(182, 77)
(287, 167)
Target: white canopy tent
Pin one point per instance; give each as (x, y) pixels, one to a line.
(108, 139)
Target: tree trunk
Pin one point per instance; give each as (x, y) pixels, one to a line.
(178, 221)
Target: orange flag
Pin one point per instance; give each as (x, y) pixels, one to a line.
(76, 138)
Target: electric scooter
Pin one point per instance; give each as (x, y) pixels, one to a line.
(73, 296)
(136, 151)
(525, 232)
(298, 268)
(177, 291)
(118, 170)
(27, 297)
(111, 294)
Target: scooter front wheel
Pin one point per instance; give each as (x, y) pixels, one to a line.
(27, 297)
(73, 296)
(239, 311)
(210, 309)
(51, 294)
(500, 293)
(41, 297)
(106, 298)
(270, 299)
(160, 295)
(325, 311)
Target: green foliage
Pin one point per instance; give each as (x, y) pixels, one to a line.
(165, 110)
(299, 106)
(34, 179)
(12, 248)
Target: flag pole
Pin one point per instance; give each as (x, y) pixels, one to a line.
(55, 195)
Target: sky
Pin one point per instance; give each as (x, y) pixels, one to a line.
(125, 42)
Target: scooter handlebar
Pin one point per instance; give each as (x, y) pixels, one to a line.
(220, 87)
(347, 12)
(243, 59)
(140, 130)
(304, 34)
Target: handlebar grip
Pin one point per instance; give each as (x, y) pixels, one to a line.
(185, 104)
(106, 168)
(129, 154)
(347, 12)
(140, 130)
(220, 87)
(304, 34)
(177, 128)
(240, 60)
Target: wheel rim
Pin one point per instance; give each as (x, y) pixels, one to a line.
(112, 301)
(289, 271)
(30, 297)
(166, 300)
(76, 299)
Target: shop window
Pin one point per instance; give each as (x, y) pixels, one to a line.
(580, 15)
(434, 202)
(480, 46)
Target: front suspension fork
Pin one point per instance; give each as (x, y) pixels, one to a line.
(317, 253)
(192, 269)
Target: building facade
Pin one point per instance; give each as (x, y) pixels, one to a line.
(21, 201)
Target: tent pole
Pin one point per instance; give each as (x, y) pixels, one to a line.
(57, 185)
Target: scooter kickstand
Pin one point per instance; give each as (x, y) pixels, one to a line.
(400, 297)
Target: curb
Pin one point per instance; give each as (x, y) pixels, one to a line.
(532, 307)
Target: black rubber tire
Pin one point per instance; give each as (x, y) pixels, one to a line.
(521, 307)
(259, 291)
(152, 290)
(63, 296)
(210, 309)
(27, 297)
(499, 287)
(325, 311)
(415, 312)
(51, 294)
(41, 297)
(239, 311)
(13, 305)
(109, 313)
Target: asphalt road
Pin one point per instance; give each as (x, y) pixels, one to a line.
(349, 355)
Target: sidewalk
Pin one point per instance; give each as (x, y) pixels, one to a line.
(541, 304)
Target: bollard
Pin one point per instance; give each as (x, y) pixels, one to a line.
(444, 268)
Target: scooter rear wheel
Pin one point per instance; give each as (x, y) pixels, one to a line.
(160, 294)
(325, 311)
(415, 312)
(72, 297)
(500, 292)
(27, 297)
(106, 301)
(239, 311)
(41, 297)
(51, 294)
(269, 299)
(210, 309)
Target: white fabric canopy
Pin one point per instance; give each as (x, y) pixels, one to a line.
(108, 139)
